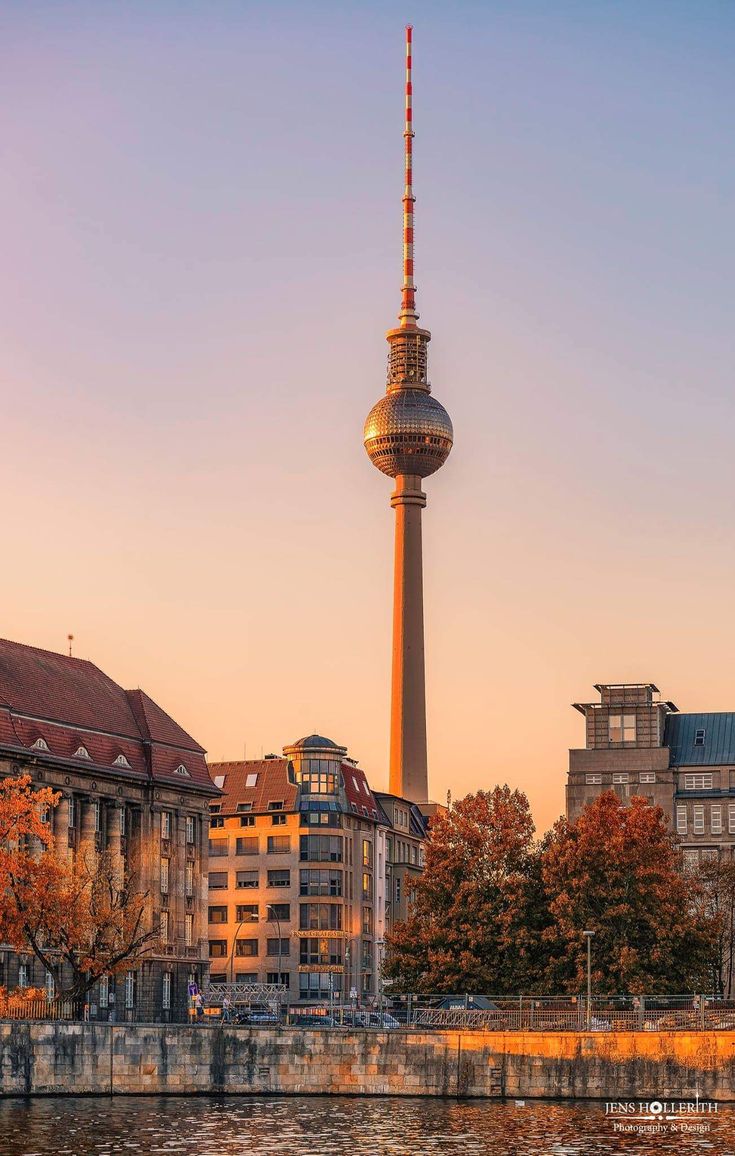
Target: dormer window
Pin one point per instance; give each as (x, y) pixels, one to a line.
(81, 753)
(121, 761)
(215, 808)
(276, 806)
(251, 780)
(39, 745)
(243, 807)
(699, 737)
(181, 770)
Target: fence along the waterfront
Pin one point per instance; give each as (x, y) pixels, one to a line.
(466, 1011)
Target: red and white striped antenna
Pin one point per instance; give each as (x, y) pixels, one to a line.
(408, 315)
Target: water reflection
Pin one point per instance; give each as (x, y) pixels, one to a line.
(324, 1126)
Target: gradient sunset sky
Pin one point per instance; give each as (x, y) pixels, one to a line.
(200, 228)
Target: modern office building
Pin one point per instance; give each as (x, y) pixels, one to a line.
(133, 783)
(408, 436)
(297, 852)
(640, 744)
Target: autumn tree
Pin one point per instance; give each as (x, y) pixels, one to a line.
(717, 878)
(82, 918)
(473, 924)
(617, 871)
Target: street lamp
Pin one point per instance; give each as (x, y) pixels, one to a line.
(250, 919)
(588, 936)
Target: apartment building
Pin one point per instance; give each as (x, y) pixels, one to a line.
(405, 838)
(297, 853)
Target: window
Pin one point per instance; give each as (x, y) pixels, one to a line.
(217, 880)
(276, 806)
(181, 770)
(320, 952)
(325, 882)
(217, 848)
(715, 819)
(246, 845)
(251, 780)
(190, 828)
(218, 914)
(72, 811)
(243, 807)
(123, 820)
(321, 848)
(165, 824)
(621, 778)
(280, 947)
(279, 878)
(247, 913)
(130, 990)
(280, 911)
(163, 926)
(593, 780)
(103, 991)
(647, 777)
(320, 917)
(121, 761)
(317, 985)
(215, 808)
(318, 783)
(367, 886)
(698, 820)
(166, 991)
(246, 947)
(698, 782)
(39, 745)
(367, 853)
(710, 854)
(23, 975)
(621, 728)
(731, 818)
(247, 820)
(50, 986)
(189, 930)
(284, 978)
(218, 949)
(246, 879)
(367, 921)
(97, 816)
(164, 876)
(398, 890)
(188, 880)
(278, 820)
(81, 753)
(699, 736)
(279, 844)
(681, 820)
(690, 860)
(216, 821)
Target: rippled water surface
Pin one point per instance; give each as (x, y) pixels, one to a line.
(322, 1126)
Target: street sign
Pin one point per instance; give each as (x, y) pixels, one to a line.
(193, 989)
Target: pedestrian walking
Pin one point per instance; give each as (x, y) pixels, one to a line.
(199, 1007)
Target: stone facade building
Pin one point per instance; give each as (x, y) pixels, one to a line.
(132, 783)
(307, 867)
(639, 744)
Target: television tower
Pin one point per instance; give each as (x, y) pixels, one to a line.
(408, 435)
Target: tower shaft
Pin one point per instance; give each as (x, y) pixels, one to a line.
(408, 758)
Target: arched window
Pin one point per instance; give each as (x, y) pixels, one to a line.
(121, 761)
(181, 770)
(81, 753)
(39, 745)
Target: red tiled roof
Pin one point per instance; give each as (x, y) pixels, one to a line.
(358, 791)
(69, 702)
(272, 784)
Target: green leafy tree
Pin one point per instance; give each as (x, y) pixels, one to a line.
(617, 871)
(476, 919)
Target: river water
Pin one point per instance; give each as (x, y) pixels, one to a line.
(334, 1126)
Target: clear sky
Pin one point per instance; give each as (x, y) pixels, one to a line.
(200, 230)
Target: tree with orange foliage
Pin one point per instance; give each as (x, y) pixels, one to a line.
(617, 871)
(474, 922)
(82, 918)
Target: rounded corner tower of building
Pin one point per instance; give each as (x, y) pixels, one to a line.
(408, 436)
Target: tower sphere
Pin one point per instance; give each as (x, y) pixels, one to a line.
(408, 432)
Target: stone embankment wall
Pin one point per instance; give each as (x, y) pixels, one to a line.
(38, 1058)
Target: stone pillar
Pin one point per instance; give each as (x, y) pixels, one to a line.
(87, 841)
(408, 760)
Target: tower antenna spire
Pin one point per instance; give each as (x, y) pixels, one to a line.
(408, 315)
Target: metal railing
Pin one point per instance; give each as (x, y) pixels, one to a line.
(41, 1009)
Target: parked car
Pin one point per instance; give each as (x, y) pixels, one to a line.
(310, 1020)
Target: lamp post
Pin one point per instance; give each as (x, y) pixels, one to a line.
(588, 936)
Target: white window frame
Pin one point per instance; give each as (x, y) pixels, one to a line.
(715, 819)
(251, 780)
(681, 819)
(731, 818)
(97, 816)
(104, 991)
(165, 876)
(621, 777)
(189, 880)
(190, 829)
(23, 975)
(165, 824)
(698, 782)
(50, 987)
(129, 990)
(593, 780)
(698, 819)
(166, 991)
(189, 930)
(163, 927)
(622, 724)
(648, 777)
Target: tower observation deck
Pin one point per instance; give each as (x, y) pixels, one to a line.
(408, 436)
